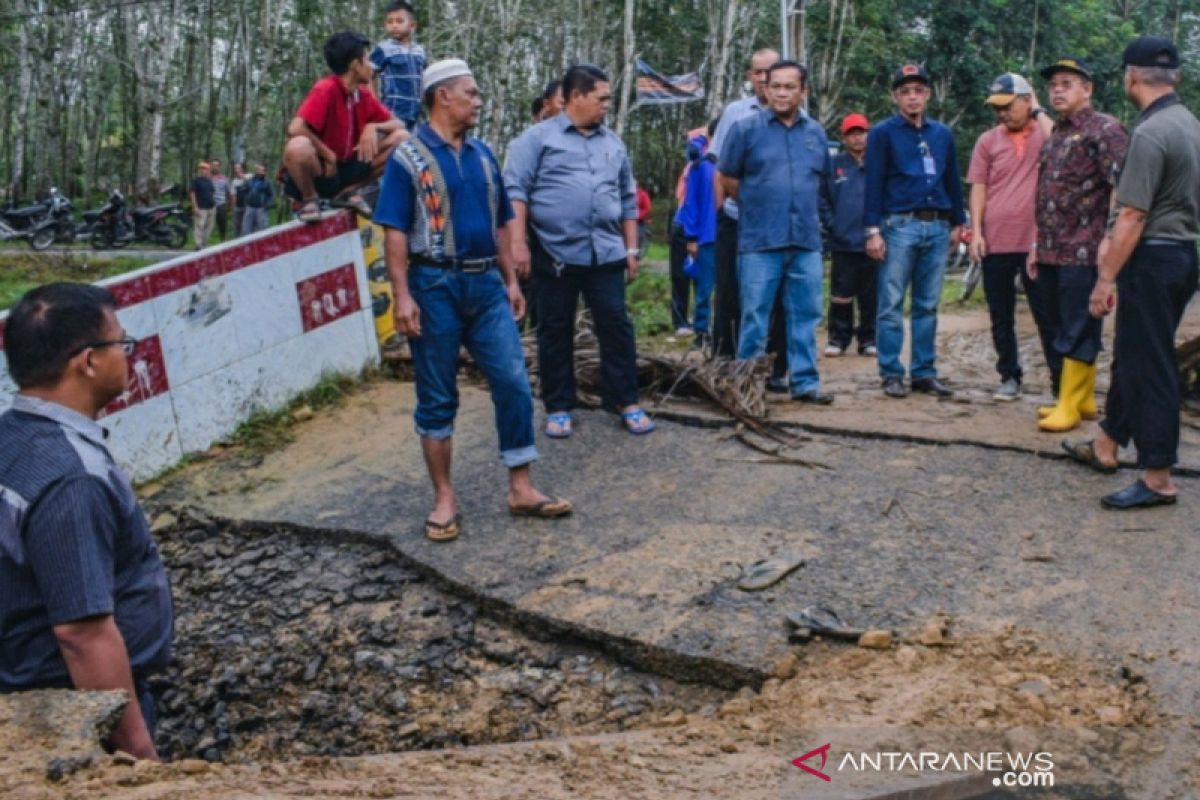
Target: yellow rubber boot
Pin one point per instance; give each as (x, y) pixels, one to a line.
(1087, 408)
(1065, 415)
(1087, 401)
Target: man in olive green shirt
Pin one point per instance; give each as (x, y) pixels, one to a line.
(1149, 255)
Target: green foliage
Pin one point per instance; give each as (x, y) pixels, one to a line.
(268, 430)
(649, 300)
(22, 270)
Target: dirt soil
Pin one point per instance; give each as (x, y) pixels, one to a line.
(1069, 632)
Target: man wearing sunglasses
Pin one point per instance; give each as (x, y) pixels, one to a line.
(84, 597)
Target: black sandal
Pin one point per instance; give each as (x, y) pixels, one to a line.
(1085, 453)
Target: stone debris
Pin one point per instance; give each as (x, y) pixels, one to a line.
(876, 640)
(291, 646)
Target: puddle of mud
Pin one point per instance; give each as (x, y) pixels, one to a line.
(289, 645)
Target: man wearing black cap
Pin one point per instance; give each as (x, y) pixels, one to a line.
(1149, 254)
(913, 214)
(1076, 175)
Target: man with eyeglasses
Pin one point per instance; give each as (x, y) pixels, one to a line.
(1077, 171)
(1003, 178)
(84, 597)
(913, 215)
(727, 307)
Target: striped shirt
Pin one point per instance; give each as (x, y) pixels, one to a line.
(400, 67)
(74, 544)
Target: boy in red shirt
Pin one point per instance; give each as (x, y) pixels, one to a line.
(342, 136)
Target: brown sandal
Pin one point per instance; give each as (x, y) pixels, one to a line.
(310, 210)
(443, 531)
(546, 509)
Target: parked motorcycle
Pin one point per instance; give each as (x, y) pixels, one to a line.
(115, 226)
(62, 212)
(31, 223)
(110, 225)
(166, 224)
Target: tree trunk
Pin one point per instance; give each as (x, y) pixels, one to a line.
(629, 71)
(716, 99)
(24, 88)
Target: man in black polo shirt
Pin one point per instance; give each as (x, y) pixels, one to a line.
(84, 597)
(1149, 257)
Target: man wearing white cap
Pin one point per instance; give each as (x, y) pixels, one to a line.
(448, 221)
(1003, 177)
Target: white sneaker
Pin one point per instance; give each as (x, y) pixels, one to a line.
(869, 350)
(683, 331)
(833, 351)
(1008, 391)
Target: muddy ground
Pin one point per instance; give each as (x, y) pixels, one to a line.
(325, 649)
(329, 649)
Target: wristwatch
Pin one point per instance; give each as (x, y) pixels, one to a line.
(873, 231)
(633, 251)
(1037, 112)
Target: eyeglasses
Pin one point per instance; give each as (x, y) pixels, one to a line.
(127, 344)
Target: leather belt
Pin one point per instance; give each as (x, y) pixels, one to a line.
(1153, 242)
(467, 265)
(926, 214)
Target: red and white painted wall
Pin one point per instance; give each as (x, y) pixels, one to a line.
(230, 330)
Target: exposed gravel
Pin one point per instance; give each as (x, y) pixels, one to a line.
(289, 645)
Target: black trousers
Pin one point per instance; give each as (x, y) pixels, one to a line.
(603, 289)
(1153, 291)
(1076, 333)
(727, 307)
(999, 287)
(854, 277)
(681, 285)
(727, 304)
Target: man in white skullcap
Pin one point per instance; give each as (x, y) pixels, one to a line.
(448, 221)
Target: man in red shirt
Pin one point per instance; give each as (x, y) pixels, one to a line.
(342, 136)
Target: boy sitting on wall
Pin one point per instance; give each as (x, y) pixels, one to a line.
(341, 136)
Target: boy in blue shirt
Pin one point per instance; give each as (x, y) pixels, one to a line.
(399, 62)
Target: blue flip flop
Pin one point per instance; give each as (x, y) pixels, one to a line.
(636, 422)
(563, 420)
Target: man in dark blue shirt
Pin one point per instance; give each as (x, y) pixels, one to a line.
(448, 223)
(853, 275)
(913, 215)
(84, 597)
(775, 164)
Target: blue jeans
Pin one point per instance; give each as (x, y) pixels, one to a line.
(254, 220)
(706, 275)
(916, 255)
(472, 309)
(800, 272)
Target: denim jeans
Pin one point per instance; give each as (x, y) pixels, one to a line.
(470, 309)
(705, 276)
(916, 256)
(800, 272)
(603, 289)
(253, 220)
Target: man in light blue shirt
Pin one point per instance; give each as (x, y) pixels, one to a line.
(776, 164)
(570, 177)
(726, 308)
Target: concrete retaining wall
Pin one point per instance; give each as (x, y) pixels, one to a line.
(230, 330)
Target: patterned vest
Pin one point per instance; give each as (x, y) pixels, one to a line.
(432, 233)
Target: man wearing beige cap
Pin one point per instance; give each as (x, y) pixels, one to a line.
(1003, 178)
(448, 221)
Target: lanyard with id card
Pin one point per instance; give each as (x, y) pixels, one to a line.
(927, 161)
